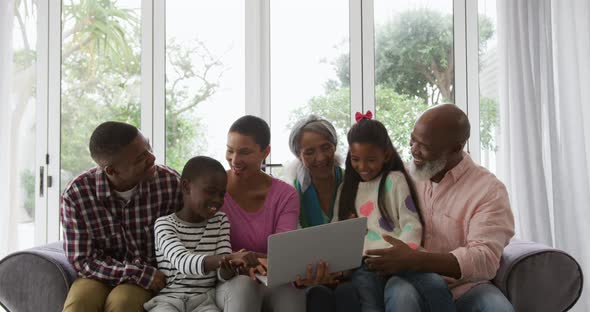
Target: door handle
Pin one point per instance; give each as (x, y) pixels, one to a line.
(41, 181)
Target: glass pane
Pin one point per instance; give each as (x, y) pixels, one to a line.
(489, 113)
(23, 116)
(413, 62)
(309, 44)
(100, 74)
(204, 77)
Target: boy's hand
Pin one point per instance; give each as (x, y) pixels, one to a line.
(247, 259)
(226, 270)
(225, 264)
(158, 282)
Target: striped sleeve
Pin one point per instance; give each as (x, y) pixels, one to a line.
(223, 242)
(172, 249)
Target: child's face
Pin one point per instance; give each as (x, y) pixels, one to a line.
(243, 155)
(367, 159)
(204, 195)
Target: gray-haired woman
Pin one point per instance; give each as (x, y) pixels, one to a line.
(316, 175)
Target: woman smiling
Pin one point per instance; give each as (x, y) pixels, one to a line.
(257, 206)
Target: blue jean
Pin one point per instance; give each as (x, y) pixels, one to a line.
(406, 291)
(484, 298)
(413, 291)
(343, 298)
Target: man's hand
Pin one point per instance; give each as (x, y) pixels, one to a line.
(400, 257)
(322, 276)
(390, 260)
(158, 282)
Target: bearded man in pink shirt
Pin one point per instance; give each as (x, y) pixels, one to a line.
(467, 220)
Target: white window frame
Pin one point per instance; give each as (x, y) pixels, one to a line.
(153, 75)
(472, 83)
(257, 58)
(41, 196)
(466, 39)
(147, 70)
(368, 57)
(53, 82)
(159, 79)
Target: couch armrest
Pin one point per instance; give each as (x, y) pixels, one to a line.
(535, 277)
(36, 279)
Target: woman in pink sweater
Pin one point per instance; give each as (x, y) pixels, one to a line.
(257, 205)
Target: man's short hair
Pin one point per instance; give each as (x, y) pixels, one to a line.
(108, 139)
(200, 166)
(254, 127)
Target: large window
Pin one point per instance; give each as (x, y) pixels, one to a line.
(204, 77)
(309, 68)
(414, 63)
(100, 74)
(183, 71)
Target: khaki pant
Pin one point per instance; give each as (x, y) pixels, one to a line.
(94, 296)
(241, 294)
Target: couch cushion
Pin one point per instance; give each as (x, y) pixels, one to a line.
(37, 279)
(535, 277)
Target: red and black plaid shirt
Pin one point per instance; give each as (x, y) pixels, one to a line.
(109, 239)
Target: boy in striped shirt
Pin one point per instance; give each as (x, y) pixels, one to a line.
(192, 245)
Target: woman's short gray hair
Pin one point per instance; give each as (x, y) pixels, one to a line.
(314, 124)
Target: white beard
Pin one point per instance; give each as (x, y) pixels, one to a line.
(428, 170)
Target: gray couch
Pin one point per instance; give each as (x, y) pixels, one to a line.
(534, 277)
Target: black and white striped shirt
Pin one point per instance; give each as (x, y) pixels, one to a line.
(181, 248)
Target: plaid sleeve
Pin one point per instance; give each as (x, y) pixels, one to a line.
(88, 261)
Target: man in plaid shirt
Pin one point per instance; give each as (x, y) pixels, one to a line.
(108, 213)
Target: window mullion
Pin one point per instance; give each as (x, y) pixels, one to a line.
(257, 58)
(159, 79)
(356, 57)
(147, 73)
(41, 135)
(368, 55)
(472, 56)
(460, 53)
(54, 120)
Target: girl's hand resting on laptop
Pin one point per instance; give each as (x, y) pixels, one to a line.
(323, 276)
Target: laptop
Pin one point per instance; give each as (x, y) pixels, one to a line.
(340, 244)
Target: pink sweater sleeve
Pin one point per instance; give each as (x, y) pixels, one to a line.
(288, 210)
(490, 229)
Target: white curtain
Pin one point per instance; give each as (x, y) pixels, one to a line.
(6, 19)
(545, 120)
